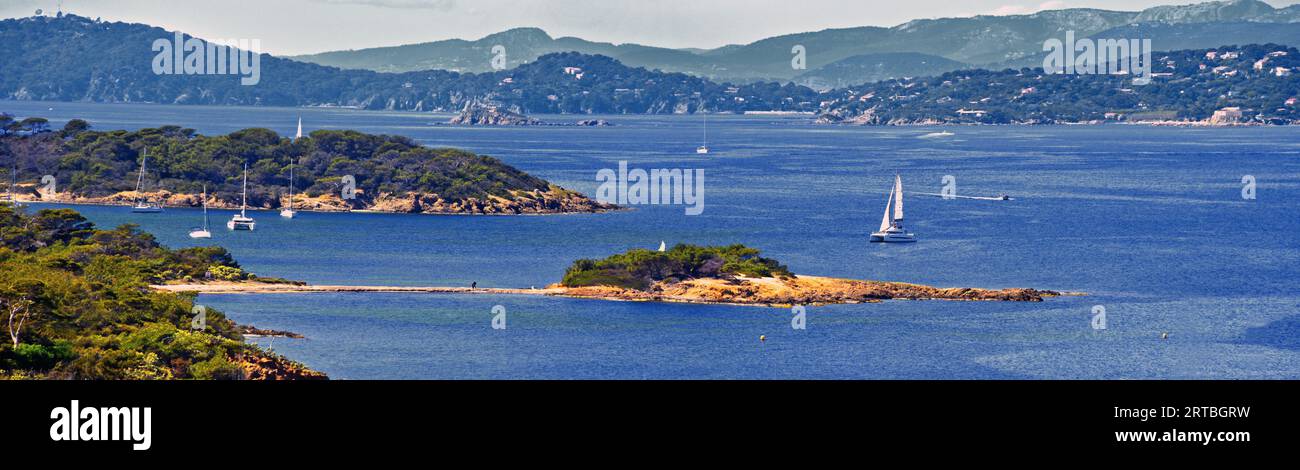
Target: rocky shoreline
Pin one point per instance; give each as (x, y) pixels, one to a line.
(553, 201)
(776, 292)
(870, 119)
(801, 290)
(262, 365)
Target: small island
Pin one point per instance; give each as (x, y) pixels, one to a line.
(477, 114)
(731, 275)
(332, 170)
(737, 274)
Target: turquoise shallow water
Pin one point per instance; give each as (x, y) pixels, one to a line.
(1148, 221)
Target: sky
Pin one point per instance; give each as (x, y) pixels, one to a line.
(289, 27)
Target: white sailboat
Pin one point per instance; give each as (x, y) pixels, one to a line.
(242, 221)
(891, 225)
(289, 213)
(203, 232)
(143, 205)
(704, 149)
(663, 247)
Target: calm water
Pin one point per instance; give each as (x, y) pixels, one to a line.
(1149, 222)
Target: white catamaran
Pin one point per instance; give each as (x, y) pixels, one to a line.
(289, 213)
(891, 226)
(242, 221)
(142, 204)
(203, 232)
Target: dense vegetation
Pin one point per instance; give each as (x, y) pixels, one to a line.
(1194, 88)
(638, 269)
(76, 304)
(95, 164)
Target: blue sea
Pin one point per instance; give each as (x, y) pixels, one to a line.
(1149, 222)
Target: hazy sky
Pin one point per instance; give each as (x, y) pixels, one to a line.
(302, 26)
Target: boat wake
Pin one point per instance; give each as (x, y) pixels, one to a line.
(978, 198)
(937, 135)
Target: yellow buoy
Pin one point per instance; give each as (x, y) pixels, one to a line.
(762, 338)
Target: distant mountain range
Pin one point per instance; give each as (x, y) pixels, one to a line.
(981, 41)
(72, 58)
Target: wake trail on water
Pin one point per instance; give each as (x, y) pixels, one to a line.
(978, 198)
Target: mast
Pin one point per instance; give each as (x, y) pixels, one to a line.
(706, 129)
(205, 208)
(244, 207)
(144, 163)
(294, 163)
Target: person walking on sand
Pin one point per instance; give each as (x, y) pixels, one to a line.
(473, 285)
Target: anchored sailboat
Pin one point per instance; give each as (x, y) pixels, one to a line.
(242, 221)
(704, 149)
(891, 228)
(143, 205)
(203, 232)
(289, 213)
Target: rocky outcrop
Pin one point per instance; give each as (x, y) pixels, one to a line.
(475, 114)
(554, 200)
(261, 365)
(248, 331)
(800, 290)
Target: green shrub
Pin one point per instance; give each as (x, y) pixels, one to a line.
(227, 273)
(42, 357)
(217, 368)
(638, 269)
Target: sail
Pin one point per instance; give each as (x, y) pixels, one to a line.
(898, 198)
(299, 129)
(884, 221)
(663, 246)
